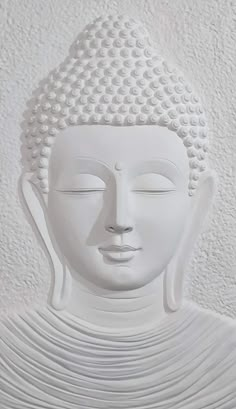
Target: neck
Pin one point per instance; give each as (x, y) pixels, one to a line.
(117, 309)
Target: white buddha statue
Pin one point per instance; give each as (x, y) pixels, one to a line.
(118, 187)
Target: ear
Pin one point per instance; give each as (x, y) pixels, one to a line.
(200, 204)
(36, 204)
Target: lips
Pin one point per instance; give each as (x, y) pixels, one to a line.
(119, 253)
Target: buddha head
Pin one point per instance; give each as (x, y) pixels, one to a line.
(117, 179)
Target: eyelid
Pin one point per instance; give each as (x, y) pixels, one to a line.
(162, 167)
(79, 190)
(82, 182)
(149, 182)
(154, 190)
(152, 182)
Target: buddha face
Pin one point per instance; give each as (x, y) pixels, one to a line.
(118, 202)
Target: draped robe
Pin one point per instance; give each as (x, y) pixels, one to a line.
(53, 360)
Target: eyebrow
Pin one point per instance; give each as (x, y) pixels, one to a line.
(157, 165)
(154, 160)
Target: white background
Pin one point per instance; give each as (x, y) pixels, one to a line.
(199, 37)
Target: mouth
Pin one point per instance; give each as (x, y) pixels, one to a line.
(119, 253)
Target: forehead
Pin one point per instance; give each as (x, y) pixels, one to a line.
(110, 144)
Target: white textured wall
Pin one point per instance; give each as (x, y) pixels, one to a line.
(198, 36)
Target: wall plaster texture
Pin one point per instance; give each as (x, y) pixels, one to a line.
(199, 37)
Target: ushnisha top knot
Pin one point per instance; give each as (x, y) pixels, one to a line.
(115, 77)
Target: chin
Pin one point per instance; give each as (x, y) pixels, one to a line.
(121, 278)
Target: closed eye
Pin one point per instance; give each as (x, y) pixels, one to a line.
(152, 184)
(81, 191)
(82, 184)
(98, 190)
(153, 191)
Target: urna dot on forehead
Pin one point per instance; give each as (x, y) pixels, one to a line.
(114, 76)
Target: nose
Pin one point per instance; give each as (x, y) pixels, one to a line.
(118, 220)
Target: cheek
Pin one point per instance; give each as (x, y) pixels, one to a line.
(73, 218)
(160, 221)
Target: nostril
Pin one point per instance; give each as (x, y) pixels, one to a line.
(119, 229)
(110, 228)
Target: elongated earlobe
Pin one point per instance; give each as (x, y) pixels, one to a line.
(174, 276)
(36, 205)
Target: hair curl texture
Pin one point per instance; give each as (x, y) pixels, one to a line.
(115, 77)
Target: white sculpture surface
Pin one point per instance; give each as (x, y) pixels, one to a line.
(118, 188)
